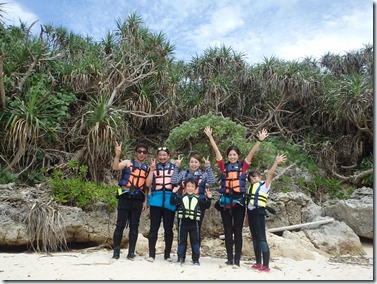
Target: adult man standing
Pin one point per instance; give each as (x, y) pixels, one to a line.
(132, 195)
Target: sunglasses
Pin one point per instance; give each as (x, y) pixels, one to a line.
(162, 148)
(142, 151)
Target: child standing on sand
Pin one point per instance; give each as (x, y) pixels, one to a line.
(189, 207)
(256, 212)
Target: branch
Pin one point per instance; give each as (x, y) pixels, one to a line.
(142, 113)
(353, 178)
(283, 172)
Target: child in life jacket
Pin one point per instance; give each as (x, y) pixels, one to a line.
(189, 207)
(256, 212)
(203, 175)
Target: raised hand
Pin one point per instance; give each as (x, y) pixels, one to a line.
(118, 148)
(208, 131)
(208, 193)
(178, 161)
(152, 166)
(263, 134)
(207, 163)
(280, 158)
(175, 189)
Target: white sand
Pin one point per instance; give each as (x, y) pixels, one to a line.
(98, 265)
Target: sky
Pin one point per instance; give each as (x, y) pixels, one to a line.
(259, 29)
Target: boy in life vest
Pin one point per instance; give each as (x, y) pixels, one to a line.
(132, 196)
(159, 181)
(189, 208)
(203, 176)
(233, 189)
(256, 212)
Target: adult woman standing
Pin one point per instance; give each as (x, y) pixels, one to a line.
(202, 176)
(132, 196)
(160, 183)
(233, 190)
(256, 212)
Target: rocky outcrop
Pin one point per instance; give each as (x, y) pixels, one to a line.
(356, 212)
(95, 226)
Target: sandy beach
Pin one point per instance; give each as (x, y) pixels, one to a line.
(96, 264)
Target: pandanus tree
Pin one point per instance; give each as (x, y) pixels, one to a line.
(347, 114)
(34, 109)
(216, 76)
(127, 93)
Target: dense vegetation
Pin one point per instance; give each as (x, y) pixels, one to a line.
(66, 99)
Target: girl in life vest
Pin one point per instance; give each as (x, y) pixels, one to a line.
(160, 183)
(202, 176)
(132, 196)
(190, 206)
(256, 211)
(233, 190)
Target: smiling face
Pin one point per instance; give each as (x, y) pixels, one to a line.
(233, 156)
(190, 187)
(194, 164)
(163, 157)
(141, 154)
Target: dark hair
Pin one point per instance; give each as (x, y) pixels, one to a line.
(254, 173)
(192, 180)
(141, 146)
(235, 148)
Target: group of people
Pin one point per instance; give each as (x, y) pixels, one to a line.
(169, 192)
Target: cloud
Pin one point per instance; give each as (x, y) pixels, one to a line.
(289, 29)
(13, 12)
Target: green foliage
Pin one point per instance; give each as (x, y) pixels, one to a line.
(7, 177)
(366, 164)
(334, 187)
(190, 137)
(321, 184)
(75, 191)
(294, 153)
(32, 177)
(38, 112)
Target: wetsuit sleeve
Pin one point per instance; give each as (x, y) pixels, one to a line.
(174, 199)
(210, 176)
(204, 203)
(208, 203)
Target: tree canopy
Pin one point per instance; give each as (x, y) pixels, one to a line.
(65, 97)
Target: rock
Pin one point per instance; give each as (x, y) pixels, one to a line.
(96, 225)
(356, 212)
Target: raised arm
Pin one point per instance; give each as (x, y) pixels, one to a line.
(278, 159)
(208, 132)
(116, 164)
(261, 136)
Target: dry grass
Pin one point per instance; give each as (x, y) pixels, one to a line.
(45, 228)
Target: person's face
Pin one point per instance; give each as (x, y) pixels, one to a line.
(254, 179)
(190, 188)
(141, 153)
(163, 157)
(194, 164)
(232, 156)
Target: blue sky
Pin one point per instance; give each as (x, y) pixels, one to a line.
(289, 29)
